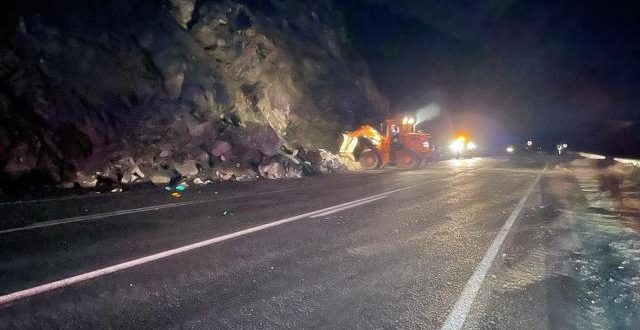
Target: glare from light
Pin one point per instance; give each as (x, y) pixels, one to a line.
(469, 162)
(564, 145)
(471, 146)
(529, 143)
(408, 120)
(510, 149)
(457, 145)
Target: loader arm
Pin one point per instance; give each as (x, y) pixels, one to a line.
(350, 139)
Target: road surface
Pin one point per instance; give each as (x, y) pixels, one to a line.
(484, 243)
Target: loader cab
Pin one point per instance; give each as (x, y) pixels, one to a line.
(394, 128)
(406, 136)
(390, 129)
(389, 126)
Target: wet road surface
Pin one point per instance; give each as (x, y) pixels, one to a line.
(385, 249)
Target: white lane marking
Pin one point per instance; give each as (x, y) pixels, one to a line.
(91, 195)
(55, 199)
(101, 216)
(97, 216)
(348, 206)
(460, 310)
(5, 299)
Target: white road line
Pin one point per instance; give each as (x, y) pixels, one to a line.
(348, 207)
(460, 310)
(97, 216)
(101, 215)
(55, 199)
(5, 299)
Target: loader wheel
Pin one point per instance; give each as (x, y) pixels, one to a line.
(407, 160)
(370, 159)
(426, 160)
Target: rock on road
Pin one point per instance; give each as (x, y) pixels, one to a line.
(384, 249)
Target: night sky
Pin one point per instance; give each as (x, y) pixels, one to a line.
(505, 71)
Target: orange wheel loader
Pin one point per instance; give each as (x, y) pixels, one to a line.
(398, 143)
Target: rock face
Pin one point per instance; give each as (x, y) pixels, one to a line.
(137, 88)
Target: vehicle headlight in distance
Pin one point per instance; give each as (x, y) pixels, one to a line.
(457, 145)
(471, 146)
(510, 149)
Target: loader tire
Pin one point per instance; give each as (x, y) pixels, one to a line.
(407, 160)
(370, 159)
(429, 158)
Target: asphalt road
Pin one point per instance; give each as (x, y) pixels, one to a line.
(386, 249)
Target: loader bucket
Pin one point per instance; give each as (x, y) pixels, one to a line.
(348, 145)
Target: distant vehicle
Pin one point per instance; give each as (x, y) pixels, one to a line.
(462, 147)
(510, 149)
(562, 148)
(398, 144)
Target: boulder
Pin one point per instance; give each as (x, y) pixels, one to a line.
(264, 139)
(324, 161)
(165, 153)
(219, 148)
(281, 166)
(182, 11)
(234, 172)
(132, 175)
(85, 180)
(272, 170)
(173, 80)
(206, 36)
(187, 168)
(198, 129)
(253, 137)
(206, 174)
(166, 149)
(201, 182)
(247, 155)
(111, 175)
(160, 178)
(66, 184)
(201, 156)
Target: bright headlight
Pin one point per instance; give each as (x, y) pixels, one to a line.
(408, 120)
(510, 149)
(457, 145)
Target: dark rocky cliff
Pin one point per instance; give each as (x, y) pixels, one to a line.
(130, 90)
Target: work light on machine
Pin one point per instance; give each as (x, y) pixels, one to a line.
(408, 120)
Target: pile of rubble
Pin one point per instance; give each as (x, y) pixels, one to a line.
(202, 152)
(126, 171)
(206, 90)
